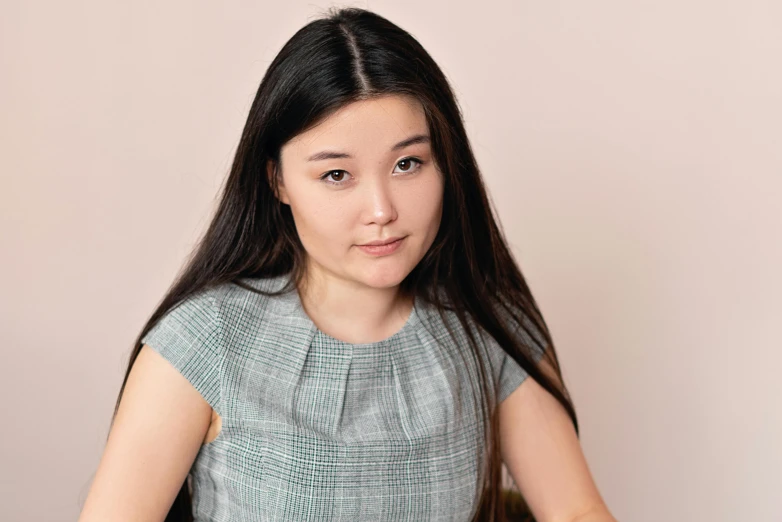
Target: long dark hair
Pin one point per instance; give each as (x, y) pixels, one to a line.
(349, 55)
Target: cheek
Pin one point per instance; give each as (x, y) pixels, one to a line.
(322, 224)
(423, 206)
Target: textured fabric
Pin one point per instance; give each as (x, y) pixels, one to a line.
(314, 428)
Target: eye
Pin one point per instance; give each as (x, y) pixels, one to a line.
(338, 173)
(408, 160)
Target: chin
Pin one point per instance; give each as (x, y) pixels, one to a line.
(385, 277)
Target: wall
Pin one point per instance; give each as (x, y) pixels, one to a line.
(632, 150)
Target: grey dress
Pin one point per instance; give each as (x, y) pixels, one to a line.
(315, 428)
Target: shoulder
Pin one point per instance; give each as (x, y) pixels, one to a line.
(253, 295)
(247, 304)
(520, 325)
(211, 312)
(242, 295)
(196, 334)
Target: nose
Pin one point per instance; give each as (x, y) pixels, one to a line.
(379, 205)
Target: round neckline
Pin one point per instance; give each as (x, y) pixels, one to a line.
(296, 308)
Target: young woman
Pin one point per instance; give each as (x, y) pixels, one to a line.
(350, 338)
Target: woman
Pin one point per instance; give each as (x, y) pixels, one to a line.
(349, 339)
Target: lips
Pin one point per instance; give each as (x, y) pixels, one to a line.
(381, 242)
(385, 248)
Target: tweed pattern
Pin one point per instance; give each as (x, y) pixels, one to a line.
(315, 428)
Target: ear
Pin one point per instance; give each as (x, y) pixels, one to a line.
(281, 193)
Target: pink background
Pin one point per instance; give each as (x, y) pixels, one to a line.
(633, 151)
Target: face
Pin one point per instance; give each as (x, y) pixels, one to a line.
(353, 179)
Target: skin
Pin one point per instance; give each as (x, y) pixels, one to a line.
(376, 194)
(547, 462)
(157, 433)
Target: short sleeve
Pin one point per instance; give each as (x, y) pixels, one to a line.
(189, 337)
(511, 374)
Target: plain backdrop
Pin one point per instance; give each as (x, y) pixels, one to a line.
(633, 152)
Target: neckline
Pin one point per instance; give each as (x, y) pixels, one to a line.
(294, 307)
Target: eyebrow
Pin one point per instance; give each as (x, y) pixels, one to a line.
(329, 154)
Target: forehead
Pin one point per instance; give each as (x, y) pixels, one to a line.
(365, 126)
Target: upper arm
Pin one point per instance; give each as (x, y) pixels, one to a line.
(160, 424)
(165, 411)
(542, 452)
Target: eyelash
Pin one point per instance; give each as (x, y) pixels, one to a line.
(409, 158)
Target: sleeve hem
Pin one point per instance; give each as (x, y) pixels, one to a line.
(189, 337)
(512, 375)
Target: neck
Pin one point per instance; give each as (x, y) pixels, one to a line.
(353, 312)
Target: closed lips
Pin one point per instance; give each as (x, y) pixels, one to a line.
(382, 242)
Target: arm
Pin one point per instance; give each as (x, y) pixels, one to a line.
(542, 453)
(157, 433)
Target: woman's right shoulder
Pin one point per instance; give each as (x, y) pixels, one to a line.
(244, 292)
(253, 292)
(219, 308)
(247, 302)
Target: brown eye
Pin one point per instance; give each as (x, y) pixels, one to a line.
(336, 175)
(408, 161)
